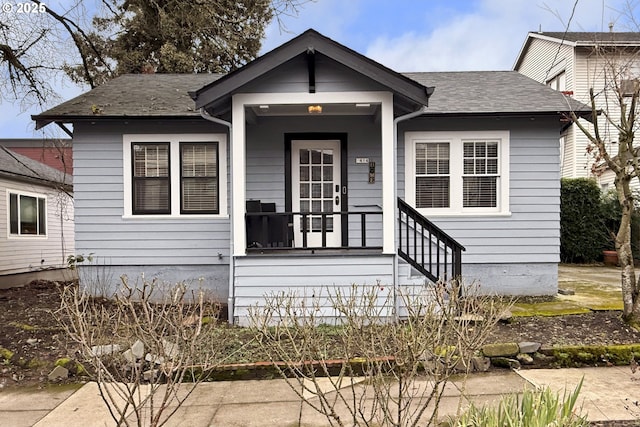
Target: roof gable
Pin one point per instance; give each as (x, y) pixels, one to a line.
(309, 43)
(580, 39)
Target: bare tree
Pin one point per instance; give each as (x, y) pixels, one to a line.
(147, 349)
(611, 138)
(390, 372)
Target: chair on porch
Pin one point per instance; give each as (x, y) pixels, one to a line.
(263, 231)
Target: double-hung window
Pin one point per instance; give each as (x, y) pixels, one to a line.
(199, 177)
(174, 175)
(27, 214)
(450, 173)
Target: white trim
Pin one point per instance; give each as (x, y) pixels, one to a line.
(238, 169)
(19, 236)
(455, 140)
(174, 141)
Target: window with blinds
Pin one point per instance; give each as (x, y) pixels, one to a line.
(151, 183)
(480, 174)
(199, 178)
(432, 175)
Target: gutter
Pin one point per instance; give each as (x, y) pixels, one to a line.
(231, 297)
(396, 121)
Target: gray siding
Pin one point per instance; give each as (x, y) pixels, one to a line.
(117, 241)
(266, 168)
(307, 276)
(531, 234)
(24, 254)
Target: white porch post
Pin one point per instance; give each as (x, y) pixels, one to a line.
(388, 176)
(238, 171)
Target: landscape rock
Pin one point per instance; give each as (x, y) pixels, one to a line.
(137, 349)
(101, 350)
(480, 364)
(150, 375)
(501, 349)
(525, 359)
(505, 362)
(58, 372)
(129, 356)
(32, 341)
(170, 349)
(529, 347)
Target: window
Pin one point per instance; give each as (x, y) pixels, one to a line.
(199, 180)
(457, 172)
(480, 179)
(432, 174)
(559, 82)
(151, 186)
(168, 175)
(27, 215)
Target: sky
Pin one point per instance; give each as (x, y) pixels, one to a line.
(411, 35)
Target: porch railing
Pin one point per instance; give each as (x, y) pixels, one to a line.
(273, 231)
(426, 247)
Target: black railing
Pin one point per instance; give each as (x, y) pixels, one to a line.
(272, 231)
(426, 247)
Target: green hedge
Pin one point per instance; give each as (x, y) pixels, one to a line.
(583, 233)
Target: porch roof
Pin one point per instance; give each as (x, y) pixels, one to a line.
(410, 95)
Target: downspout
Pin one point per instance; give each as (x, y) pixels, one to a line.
(231, 297)
(397, 120)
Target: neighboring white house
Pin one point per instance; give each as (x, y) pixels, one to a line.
(36, 210)
(316, 166)
(574, 62)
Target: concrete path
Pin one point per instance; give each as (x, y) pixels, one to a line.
(606, 394)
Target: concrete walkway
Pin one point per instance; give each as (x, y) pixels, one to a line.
(606, 394)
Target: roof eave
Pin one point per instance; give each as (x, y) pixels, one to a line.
(310, 39)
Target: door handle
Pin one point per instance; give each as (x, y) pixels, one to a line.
(337, 200)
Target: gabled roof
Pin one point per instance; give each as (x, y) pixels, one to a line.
(21, 168)
(132, 95)
(581, 39)
(310, 42)
(493, 92)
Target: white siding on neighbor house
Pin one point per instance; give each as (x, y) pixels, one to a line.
(117, 241)
(544, 59)
(20, 254)
(531, 233)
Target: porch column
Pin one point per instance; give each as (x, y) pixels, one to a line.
(238, 181)
(388, 176)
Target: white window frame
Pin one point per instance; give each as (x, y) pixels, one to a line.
(46, 219)
(174, 141)
(456, 142)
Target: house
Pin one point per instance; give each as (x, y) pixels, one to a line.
(316, 166)
(55, 153)
(37, 209)
(574, 62)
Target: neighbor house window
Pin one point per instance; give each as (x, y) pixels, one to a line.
(173, 175)
(199, 177)
(151, 184)
(457, 172)
(27, 215)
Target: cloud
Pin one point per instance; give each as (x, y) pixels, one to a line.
(487, 37)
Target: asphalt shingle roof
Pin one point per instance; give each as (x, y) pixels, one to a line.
(591, 38)
(165, 95)
(17, 166)
(490, 92)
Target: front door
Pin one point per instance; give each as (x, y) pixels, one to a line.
(315, 188)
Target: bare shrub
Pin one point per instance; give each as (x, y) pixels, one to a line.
(147, 348)
(392, 371)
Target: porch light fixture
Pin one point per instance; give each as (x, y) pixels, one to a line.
(363, 105)
(314, 109)
(264, 107)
